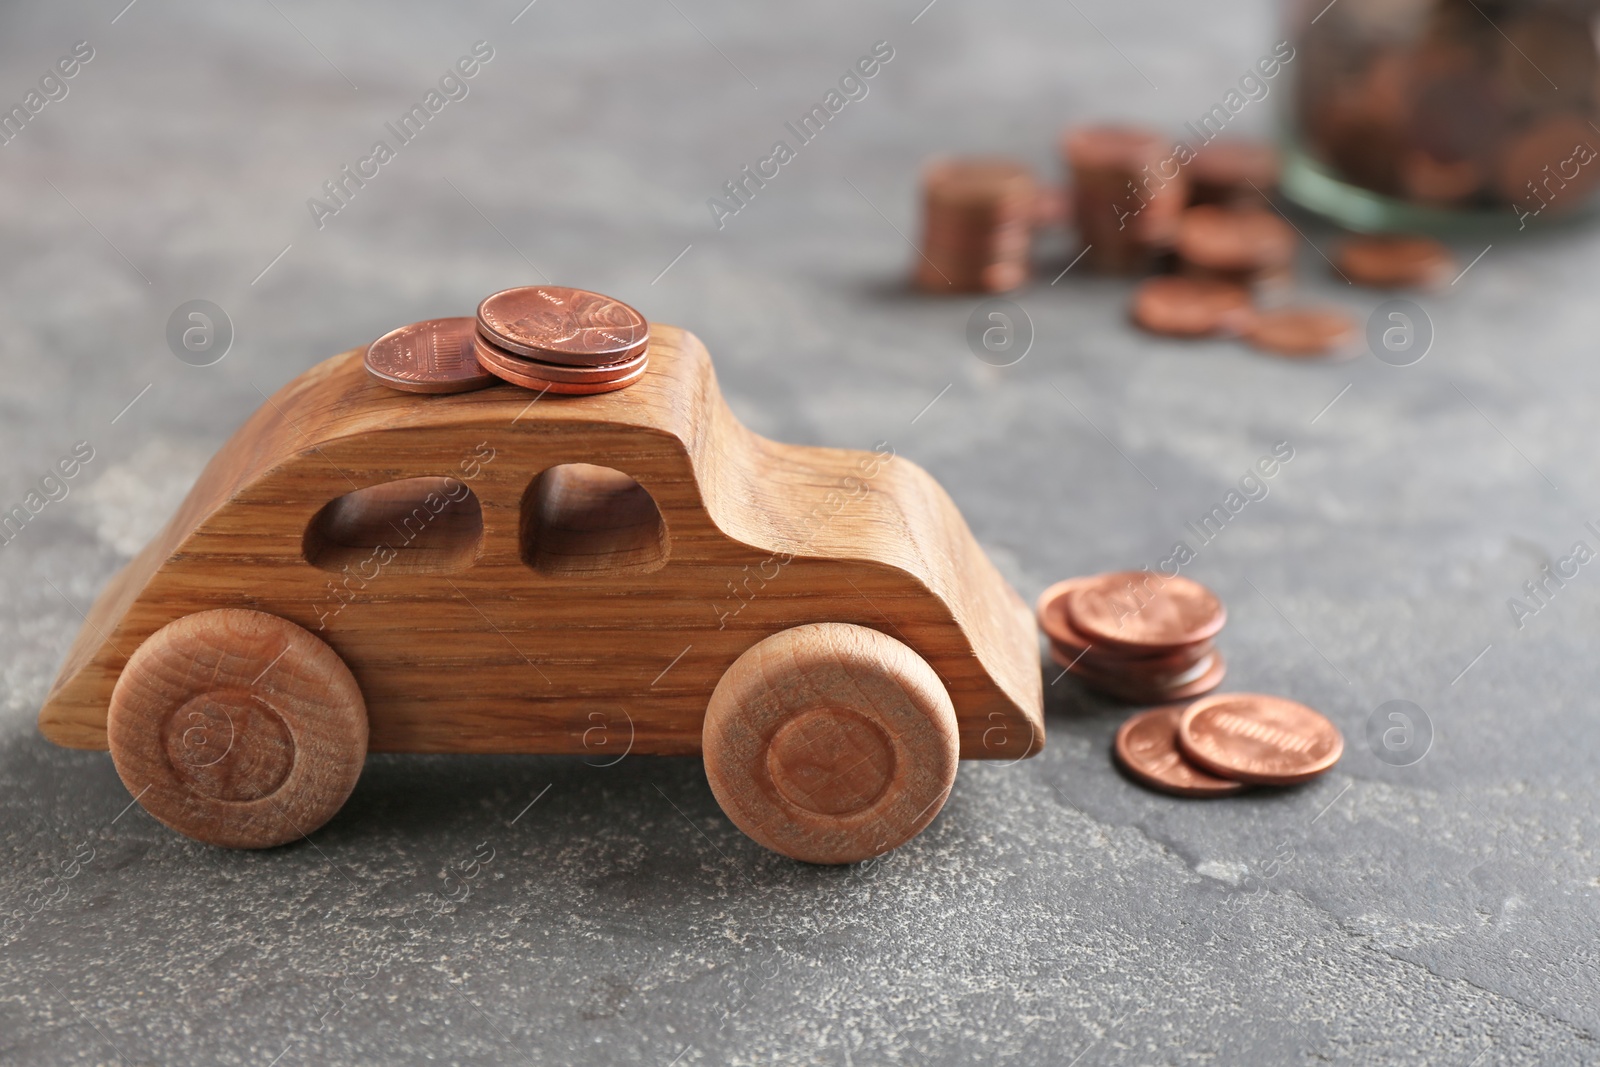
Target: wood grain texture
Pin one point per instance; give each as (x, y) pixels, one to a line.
(476, 650)
(238, 728)
(830, 743)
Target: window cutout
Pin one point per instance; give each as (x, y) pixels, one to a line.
(580, 520)
(412, 526)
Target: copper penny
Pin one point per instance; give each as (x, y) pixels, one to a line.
(1142, 610)
(1068, 644)
(434, 356)
(1395, 262)
(527, 374)
(1191, 307)
(1147, 748)
(1224, 239)
(1261, 739)
(1303, 332)
(488, 352)
(560, 325)
(1055, 619)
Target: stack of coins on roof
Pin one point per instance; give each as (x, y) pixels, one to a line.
(1220, 744)
(1136, 635)
(978, 219)
(546, 337)
(554, 339)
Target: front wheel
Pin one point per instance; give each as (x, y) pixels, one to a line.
(238, 728)
(830, 743)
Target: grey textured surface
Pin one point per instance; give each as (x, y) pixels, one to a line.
(1443, 912)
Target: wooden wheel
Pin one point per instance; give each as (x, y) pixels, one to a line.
(238, 728)
(830, 743)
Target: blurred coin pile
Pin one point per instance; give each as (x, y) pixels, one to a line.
(1202, 224)
(977, 224)
(1458, 106)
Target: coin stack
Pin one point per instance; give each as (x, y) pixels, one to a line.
(550, 338)
(1220, 744)
(978, 218)
(1135, 635)
(559, 340)
(1127, 195)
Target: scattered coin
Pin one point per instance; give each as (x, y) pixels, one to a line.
(978, 219)
(1191, 307)
(434, 356)
(1395, 262)
(556, 324)
(1264, 740)
(1303, 332)
(1147, 748)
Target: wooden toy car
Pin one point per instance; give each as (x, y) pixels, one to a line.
(634, 571)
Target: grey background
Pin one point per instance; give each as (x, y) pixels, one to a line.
(1441, 912)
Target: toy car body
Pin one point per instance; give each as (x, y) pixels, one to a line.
(498, 572)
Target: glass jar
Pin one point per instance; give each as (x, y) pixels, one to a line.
(1444, 115)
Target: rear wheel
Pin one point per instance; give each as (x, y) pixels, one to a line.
(238, 728)
(830, 743)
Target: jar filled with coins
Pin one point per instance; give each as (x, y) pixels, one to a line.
(1436, 114)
